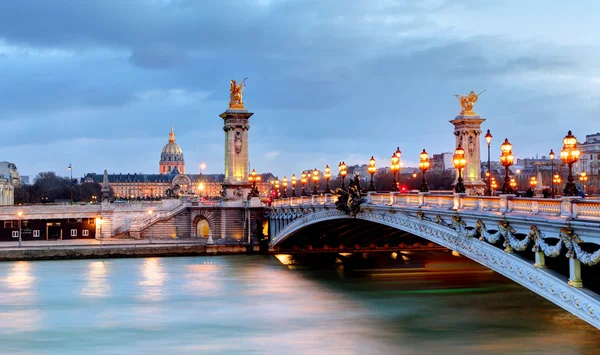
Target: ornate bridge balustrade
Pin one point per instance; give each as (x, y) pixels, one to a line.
(513, 236)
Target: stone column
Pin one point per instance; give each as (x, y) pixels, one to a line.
(467, 130)
(236, 126)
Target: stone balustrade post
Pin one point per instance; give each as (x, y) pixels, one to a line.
(458, 200)
(504, 205)
(566, 206)
(328, 199)
(423, 198)
(369, 199)
(535, 207)
(575, 273)
(392, 198)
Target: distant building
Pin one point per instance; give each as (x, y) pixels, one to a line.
(171, 176)
(589, 159)
(9, 178)
(441, 162)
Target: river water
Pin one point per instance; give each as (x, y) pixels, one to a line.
(256, 305)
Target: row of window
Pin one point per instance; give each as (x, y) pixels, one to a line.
(25, 223)
(36, 233)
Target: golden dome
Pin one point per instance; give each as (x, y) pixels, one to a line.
(172, 149)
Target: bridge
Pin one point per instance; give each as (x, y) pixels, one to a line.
(538, 243)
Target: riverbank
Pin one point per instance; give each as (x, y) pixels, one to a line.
(91, 249)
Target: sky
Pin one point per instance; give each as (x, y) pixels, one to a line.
(98, 83)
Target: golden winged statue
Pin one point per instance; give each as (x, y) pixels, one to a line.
(467, 101)
(235, 96)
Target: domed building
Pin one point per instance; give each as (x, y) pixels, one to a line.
(171, 157)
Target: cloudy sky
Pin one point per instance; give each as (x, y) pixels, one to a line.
(97, 83)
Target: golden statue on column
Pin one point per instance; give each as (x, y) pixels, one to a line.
(467, 101)
(235, 97)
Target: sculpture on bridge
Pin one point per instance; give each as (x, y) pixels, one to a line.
(467, 101)
(350, 200)
(236, 101)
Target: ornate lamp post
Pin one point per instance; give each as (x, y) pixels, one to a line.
(315, 179)
(252, 179)
(556, 182)
(395, 167)
(424, 166)
(327, 176)
(552, 163)
(494, 185)
(20, 215)
(583, 178)
(570, 155)
(513, 184)
(303, 182)
(342, 166)
(488, 187)
(150, 212)
(71, 181)
(277, 192)
(506, 159)
(294, 185)
(99, 222)
(285, 185)
(533, 182)
(372, 169)
(460, 162)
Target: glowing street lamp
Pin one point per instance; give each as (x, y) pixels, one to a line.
(556, 182)
(488, 140)
(395, 167)
(315, 179)
(583, 178)
(150, 212)
(494, 185)
(327, 176)
(20, 215)
(372, 169)
(552, 174)
(460, 162)
(294, 185)
(343, 171)
(303, 181)
(570, 155)
(513, 184)
(506, 159)
(277, 192)
(99, 223)
(424, 166)
(284, 182)
(71, 181)
(533, 182)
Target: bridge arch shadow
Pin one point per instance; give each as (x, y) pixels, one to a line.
(547, 283)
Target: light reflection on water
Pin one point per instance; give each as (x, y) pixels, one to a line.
(254, 304)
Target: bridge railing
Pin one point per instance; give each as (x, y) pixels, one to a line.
(568, 207)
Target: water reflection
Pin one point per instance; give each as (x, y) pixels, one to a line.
(204, 279)
(17, 295)
(152, 282)
(97, 285)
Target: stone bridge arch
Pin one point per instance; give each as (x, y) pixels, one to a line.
(547, 283)
(203, 224)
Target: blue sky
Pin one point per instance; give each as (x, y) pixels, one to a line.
(97, 83)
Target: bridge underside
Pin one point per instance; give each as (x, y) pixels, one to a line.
(352, 235)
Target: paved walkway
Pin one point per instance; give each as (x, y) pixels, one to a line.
(78, 243)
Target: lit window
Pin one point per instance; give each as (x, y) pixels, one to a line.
(73, 232)
(36, 233)
(15, 234)
(85, 233)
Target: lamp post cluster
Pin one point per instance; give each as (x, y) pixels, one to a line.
(395, 168)
(327, 176)
(424, 166)
(506, 159)
(372, 169)
(343, 172)
(460, 162)
(583, 178)
(570, 155)
(488, 186)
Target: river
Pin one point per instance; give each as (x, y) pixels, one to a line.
(257, 305)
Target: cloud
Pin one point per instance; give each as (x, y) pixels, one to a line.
(157, 56)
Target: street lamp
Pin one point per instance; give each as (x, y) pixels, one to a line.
(254, 178)
(71, 181)
(327, 176)
(513, 184)
(150, 212)
(533, 182)
(20, 214)
(460, 162)
(506, 159)
(395, 167)
(342, 166)
(294, 185)
(583, 178)
(556, 182)
(570, 155)
(372, 169)
(424, 166)
(303, 182)
(285, 185)
(277, 188)
(315, 179)
(494, 185)
(488, 140)
(552, 163)
(99, 222)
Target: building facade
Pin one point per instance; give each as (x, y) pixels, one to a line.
(589, 159)
(171, 180)
(9, 178)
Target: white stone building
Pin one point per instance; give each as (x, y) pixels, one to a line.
(589, 160)
(9, 178)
